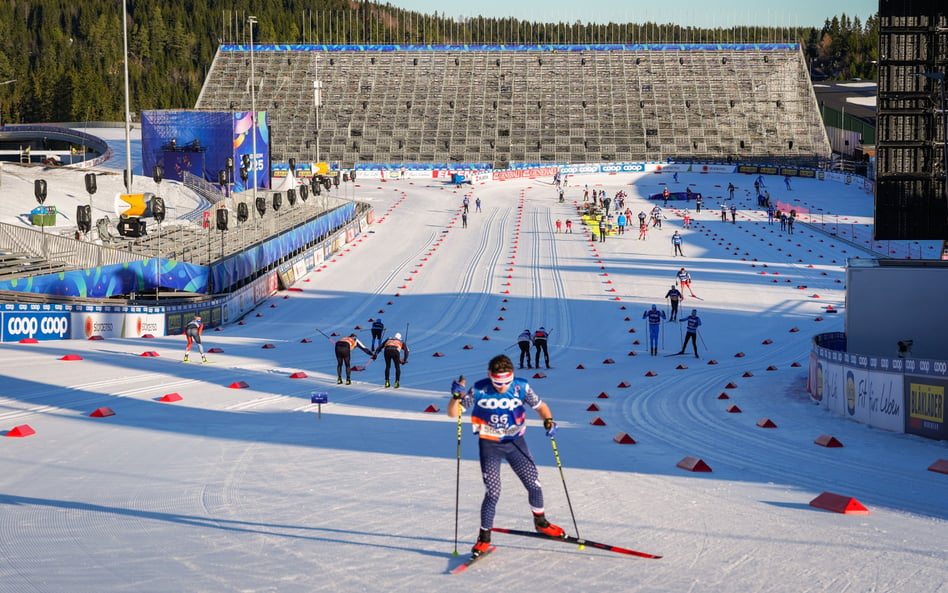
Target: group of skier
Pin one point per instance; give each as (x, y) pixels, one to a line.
(394, 350)
(539, 341)
(674, 296)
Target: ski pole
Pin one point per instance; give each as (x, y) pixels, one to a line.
(324, 333)
(559, 465)
(457, 481)
(702, 339)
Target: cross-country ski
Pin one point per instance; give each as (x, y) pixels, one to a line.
(570, 539)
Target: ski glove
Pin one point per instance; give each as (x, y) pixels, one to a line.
(550, 427)
(457, 390)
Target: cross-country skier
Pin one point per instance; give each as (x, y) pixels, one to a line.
(691, 332)
(676, 242)
(674, 296)
(498, 417)
(377, 328)
(654, 316)
(344, 348)
(395, 352)
(524, 340)
(193, 331)
(539, 343)
(684, 279)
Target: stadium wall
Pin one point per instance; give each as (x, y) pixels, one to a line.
(896, 394)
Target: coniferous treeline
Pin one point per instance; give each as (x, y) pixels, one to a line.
(67, 57)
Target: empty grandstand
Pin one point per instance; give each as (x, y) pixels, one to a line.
(500, 106)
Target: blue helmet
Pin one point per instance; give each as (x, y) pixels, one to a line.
(654, 307)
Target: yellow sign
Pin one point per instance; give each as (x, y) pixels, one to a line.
(927, 402)
(132, 204)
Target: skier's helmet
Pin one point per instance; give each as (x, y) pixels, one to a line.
(398, 336)
(654, 307)
(694, 311)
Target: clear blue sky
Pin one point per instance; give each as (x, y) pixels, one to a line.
(701, 13)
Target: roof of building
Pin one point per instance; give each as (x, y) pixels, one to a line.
(856, 98)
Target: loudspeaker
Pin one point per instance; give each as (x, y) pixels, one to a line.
(156, 173)
(293, 165)
(352, 175)
(291, 196)
(84, 218)
(304, 192)
(335, 181)
(222, 215)
(90, 183)
(131, 227)
(39, 189)
(261, 205)
(222, 177)
(158, 208)
(243, 175)
(243, 212)
(277, 201)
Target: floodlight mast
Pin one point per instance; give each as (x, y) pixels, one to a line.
(252, 20)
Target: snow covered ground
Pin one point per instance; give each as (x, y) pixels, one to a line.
(255, 490)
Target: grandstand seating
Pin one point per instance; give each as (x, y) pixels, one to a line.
(503, 105)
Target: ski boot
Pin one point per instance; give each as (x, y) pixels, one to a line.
(185, 358)
(483, 543)
(396, 385)
(387, 384)
(339, 381)
(545, 527)
(203, 358)
(348, 381)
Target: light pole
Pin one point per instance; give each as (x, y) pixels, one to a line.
(6, 82)
(317, 101)
(128, 114)
(252, 20)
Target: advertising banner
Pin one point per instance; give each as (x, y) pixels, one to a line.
(925, 403)
(868, 396)
(22, 325)
(106, 324)
(140, 324)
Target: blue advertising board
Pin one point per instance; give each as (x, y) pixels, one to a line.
(21, 325)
